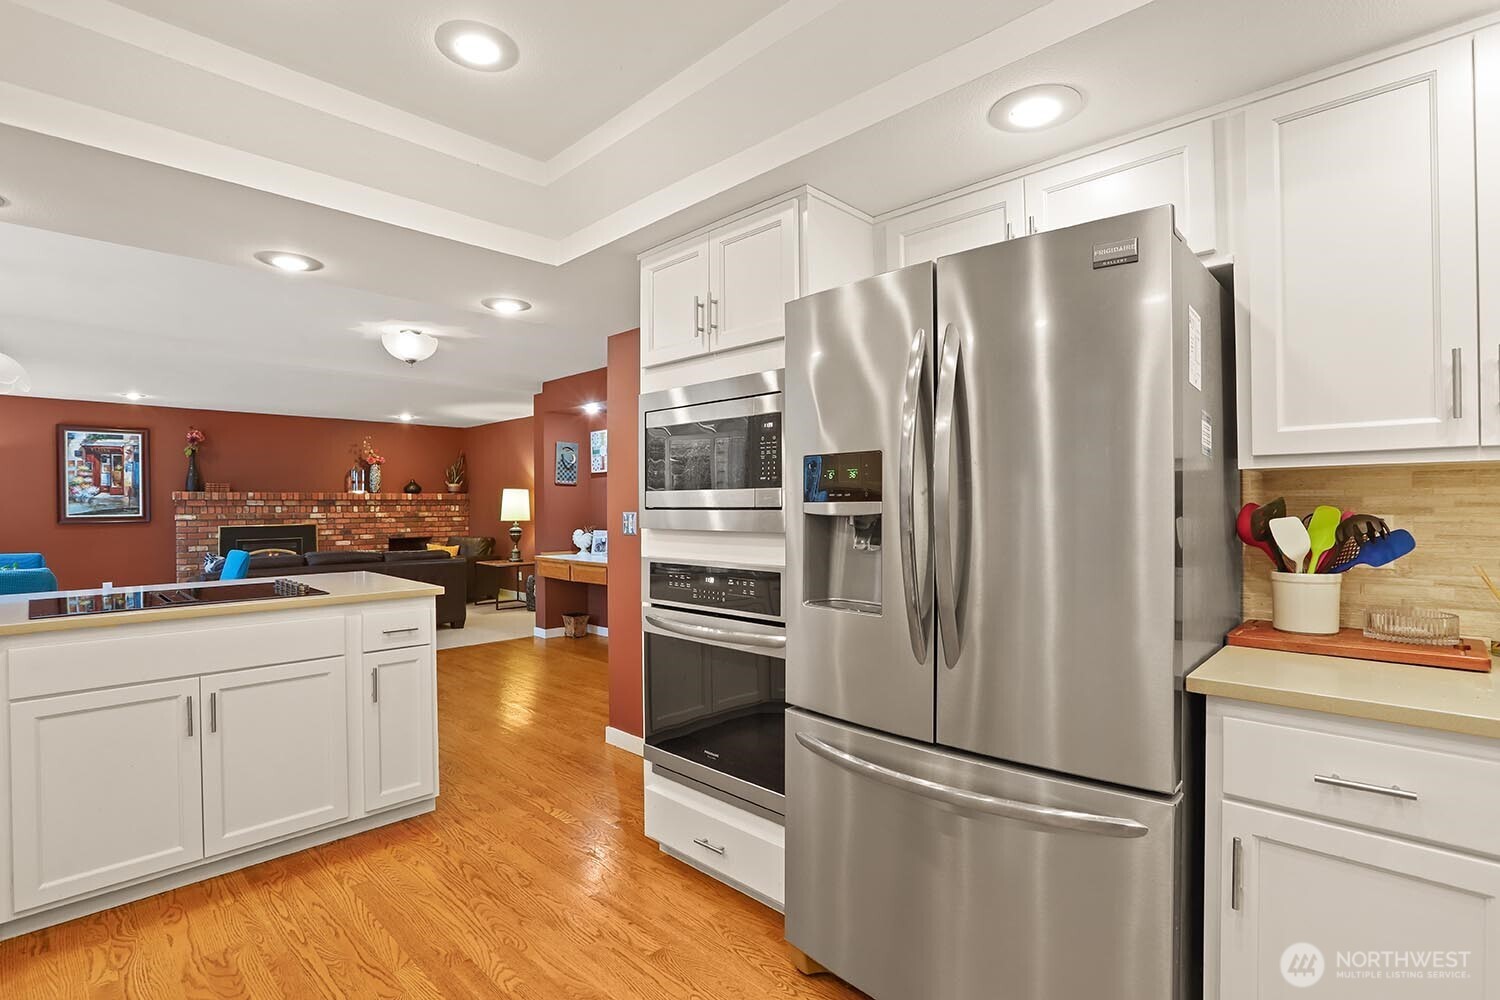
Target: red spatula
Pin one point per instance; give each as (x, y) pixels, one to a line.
(1242, 528)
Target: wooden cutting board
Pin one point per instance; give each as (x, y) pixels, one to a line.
(1469, 654)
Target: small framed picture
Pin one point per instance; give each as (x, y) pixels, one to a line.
(103, 475)
(565, 471)
(599, 451)
(600, 544)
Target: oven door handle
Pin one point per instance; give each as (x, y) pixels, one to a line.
(714, 634)
(1025, 812)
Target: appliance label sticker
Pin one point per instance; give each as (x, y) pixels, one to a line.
(1206, 435)
(1116, 252)
(1195, 349)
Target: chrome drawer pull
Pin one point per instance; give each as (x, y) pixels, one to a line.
(1394, 791)
(401, 631)
(707, 845)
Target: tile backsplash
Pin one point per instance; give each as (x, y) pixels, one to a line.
(1452, 510)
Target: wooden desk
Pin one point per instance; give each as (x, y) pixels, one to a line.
(505, 565)
(569, 566)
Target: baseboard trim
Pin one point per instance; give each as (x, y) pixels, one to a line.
(625, 741)
(547, 633)
(599, 630)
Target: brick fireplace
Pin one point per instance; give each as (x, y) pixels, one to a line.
(342, 520)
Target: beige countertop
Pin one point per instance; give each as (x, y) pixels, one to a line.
(343, 588)
(1455, 701)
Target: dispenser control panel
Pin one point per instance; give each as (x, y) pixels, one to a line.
(841, 476)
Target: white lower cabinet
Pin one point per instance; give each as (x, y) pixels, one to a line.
(743, 848)
(1355, 913)
(399, 704)
(275, 753)
(105, 788)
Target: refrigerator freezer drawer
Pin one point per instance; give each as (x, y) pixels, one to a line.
(918, 874)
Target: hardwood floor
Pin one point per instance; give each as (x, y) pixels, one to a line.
(532, 879)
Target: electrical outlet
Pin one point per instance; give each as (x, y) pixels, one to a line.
(627, 525)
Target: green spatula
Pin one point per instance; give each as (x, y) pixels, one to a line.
(1325, 521)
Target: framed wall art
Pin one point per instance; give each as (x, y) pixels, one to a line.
(103, 475)
(566, 464)
(599, 451)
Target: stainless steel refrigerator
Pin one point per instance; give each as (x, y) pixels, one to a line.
(1012, 539)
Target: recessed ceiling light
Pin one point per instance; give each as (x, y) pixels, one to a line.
(406, 418)
(135, 397)
(408, 345)
(592, 408)
(477, 46)
(285, 260)
(1036, 107)
(505, 306)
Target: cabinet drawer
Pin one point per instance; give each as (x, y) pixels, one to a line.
(1434, 794)
(553, 570)
(736, 846)
(398, 628)
(589, 574)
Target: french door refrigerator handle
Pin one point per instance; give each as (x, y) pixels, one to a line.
(708, 632)
(1026, 812)
(944, 440)
(915, 405)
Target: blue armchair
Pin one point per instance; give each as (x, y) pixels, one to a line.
(25, 573)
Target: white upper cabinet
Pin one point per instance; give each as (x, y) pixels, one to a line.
(752, 275)
(1175, 167)
(674, 303)
(976, 219)
(105, 788)
(1360, 228)
(275, 752)
(1487, 149)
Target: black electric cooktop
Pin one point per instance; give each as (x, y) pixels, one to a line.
(151, 598)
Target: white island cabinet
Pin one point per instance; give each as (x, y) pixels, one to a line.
(142, 750)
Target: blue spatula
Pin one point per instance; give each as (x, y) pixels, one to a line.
(1378, 551)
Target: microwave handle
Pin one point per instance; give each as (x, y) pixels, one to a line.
(714, 634)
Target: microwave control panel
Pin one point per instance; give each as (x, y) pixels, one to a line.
(841, 476)
(767, 454)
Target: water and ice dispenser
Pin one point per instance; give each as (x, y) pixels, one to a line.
(841, 504)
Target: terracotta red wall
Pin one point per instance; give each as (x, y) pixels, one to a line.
(250, 451)
(624, 550)
(557, 415)
(501, 456)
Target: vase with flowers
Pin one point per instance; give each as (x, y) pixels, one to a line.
(195, 439)
(373, 461)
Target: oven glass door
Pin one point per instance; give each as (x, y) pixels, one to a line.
(721, 455)
(719, 708)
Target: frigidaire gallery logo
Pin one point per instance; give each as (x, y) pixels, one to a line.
(1302, 965)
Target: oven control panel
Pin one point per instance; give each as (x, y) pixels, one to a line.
(754, 592)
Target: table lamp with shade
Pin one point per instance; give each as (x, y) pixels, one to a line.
(515, 507)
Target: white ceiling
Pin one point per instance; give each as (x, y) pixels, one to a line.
(209, 131)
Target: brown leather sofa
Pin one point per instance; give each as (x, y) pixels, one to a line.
(425, 565)
(471, 549)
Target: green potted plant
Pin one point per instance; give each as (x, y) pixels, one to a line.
(454, 477)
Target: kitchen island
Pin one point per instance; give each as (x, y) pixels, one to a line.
(153, 737)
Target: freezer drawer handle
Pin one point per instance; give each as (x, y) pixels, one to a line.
(1394, 791)
(717, 634)
(1064, 819)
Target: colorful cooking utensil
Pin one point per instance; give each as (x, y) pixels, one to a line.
(1320, 532)
(1242, 529)
(1292, 539)
(1378, 551)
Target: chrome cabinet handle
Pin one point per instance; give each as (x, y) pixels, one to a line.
(375, 685)
(213, 712)
(713, 315)
(704, 843)
(1458, 383)
(401, 631)
(1392, 791)
(944, 441)
(916, 409)
(1030, 225)
(1008, 233)
(1236, 875)
(697, 316)
(1025, 812)
(692, 631)
(190, 714)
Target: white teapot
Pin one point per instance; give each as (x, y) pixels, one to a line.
(584, 540)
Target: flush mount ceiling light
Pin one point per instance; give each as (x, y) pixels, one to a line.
(405, 418)
(133, 396)
(592, 408)
(477, 46)
(505, 306)
(285, 260)
(408, 345)
(1036, 107)
(13, 378)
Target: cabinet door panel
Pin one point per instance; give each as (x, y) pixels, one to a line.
(973, 220)
(275, 752)
(1361, 239)
(1174, 168)
(1347, 894)
(674, 303)
(106, 789)
(752, 276)
(1487, 139)
(400, 745)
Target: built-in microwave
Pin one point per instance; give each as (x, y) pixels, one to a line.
(712, 455)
